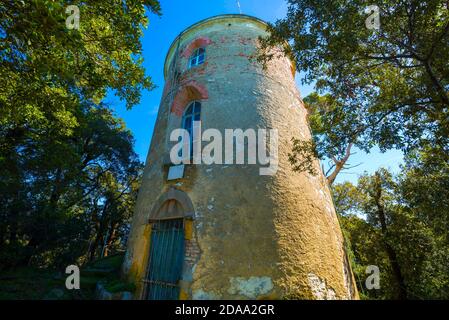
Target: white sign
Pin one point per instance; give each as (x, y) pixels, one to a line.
(175, 172)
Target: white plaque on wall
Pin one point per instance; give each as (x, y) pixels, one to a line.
(175, 172)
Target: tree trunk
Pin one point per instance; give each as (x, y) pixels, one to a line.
(437, 84)
(94, 246)
(101, 227)
(339, 164)
(392, 256)
(109, 240)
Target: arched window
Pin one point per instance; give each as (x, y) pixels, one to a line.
(198, 57)
(192, 113)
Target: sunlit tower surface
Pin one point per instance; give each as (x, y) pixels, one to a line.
(225, 231)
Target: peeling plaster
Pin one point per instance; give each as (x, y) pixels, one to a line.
(252, 287)
(203, 295)
(319, 288)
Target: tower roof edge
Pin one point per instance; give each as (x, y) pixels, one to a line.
(202, 22)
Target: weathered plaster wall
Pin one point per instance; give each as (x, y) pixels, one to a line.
(253, 237)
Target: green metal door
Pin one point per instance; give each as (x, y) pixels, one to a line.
(166, 260)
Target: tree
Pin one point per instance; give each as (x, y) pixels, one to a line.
(388, 230)
(385, 87)
(111, 208)
(332, 137)
(425, 189)
(426, 186)
(58, 141)
(67, 179)
(389, 86)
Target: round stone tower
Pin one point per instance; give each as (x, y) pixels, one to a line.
(230, 230)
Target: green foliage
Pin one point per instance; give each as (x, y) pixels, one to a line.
(120, 286)
(49, 284)
(332, 129)
(387, 87)
(366, 250)
(78, 192)
(386, 227)
(68, 172)
(333, 136)
(113, 262)
(302, 156)
(28, 283)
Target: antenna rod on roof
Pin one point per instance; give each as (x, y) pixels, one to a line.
(238, 5)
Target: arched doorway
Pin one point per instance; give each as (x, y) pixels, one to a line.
(167, 244)
(166, 259)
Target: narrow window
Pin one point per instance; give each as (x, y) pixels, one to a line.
(192, 113)
(197, 58)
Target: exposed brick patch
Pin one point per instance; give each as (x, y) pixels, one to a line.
(199, 70)
(197, 43)
(192, 252)
(245, 41)
(188, 92)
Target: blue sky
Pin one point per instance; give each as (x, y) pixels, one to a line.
(177, 16)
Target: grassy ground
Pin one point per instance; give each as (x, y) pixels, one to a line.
(37, 284)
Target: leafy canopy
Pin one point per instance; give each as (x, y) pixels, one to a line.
(68, 172)
(389, 87)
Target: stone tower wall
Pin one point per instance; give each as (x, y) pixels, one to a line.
(251, 236)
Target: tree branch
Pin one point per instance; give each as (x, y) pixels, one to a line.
(339, 164)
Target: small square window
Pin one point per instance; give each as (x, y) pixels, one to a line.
(198, 57)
